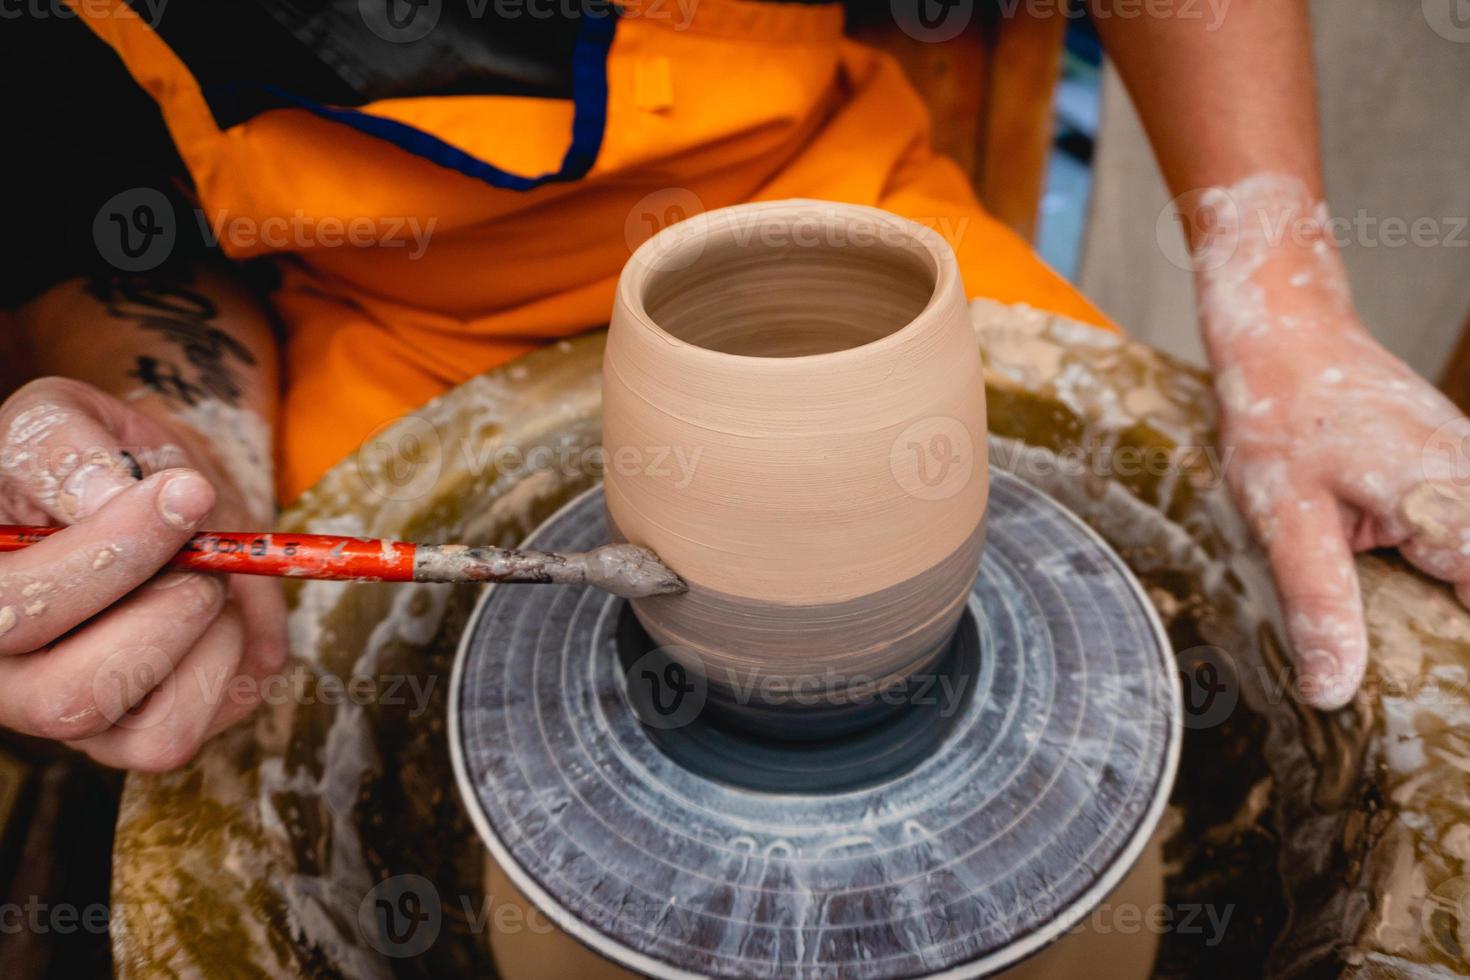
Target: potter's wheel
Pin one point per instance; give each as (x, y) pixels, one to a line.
(680, 849)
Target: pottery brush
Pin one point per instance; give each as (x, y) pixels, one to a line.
(623, 569)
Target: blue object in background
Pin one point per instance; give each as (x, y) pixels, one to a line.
(1063, 217)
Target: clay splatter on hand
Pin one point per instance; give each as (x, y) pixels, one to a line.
(1339, 446)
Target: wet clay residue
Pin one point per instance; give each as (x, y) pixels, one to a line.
(1340, 850)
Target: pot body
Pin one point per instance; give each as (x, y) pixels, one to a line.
(794, 419)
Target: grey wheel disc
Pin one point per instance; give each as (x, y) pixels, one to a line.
(1042, 791)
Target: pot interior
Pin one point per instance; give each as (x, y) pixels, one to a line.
(791, 284)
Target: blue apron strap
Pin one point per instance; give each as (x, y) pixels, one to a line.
(589, 117)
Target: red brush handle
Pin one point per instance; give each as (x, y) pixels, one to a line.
(318, 556)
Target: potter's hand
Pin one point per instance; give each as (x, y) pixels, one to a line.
(133, 668)
(1330, 434)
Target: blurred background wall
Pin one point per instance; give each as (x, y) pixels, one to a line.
(1395, 99)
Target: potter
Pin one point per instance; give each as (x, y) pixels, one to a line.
(818, 361)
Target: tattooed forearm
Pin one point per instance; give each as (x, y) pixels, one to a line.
(165, 378)
(164, 303)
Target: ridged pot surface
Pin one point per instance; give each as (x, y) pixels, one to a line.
(794, 419)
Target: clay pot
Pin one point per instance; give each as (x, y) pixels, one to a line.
(794, 419)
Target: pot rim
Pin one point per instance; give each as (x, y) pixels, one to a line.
(640, 267)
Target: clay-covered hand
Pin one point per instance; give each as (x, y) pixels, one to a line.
(1331, 441)
(132, 667)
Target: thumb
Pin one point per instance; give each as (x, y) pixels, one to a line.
(1317, 582)
(58, 451)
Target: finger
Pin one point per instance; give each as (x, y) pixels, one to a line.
(56, 584)
(84, 684)
(243, 691)
(1436, 518)
(59, 453)
(1317, 582)
(167, 730)
(263, 607)
(244, 695)
(263, 611)
(240, 703)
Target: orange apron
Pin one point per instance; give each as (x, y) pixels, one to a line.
(706, 104)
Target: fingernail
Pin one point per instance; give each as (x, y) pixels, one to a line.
(1318, 662)
(199, 592)
(185, 499)
(172, 580)
(93, 484)
(1324, 684)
